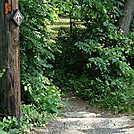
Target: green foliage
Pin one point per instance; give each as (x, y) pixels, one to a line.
(109, 63)
(46, 97)
(37, 50)
(3, 71)
(96, 60)
(8, 124)
(36, 46)
(91, 90)
(30, 117)
(120, 101)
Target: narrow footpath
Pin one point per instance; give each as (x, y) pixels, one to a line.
(80, 118)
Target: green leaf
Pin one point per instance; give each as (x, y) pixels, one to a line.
(3, 132)
(105, 11)
(54, 109)
(1, 74)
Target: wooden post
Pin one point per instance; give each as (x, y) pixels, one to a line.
(9, 57)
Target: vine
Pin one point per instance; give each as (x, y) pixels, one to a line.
(3, 70)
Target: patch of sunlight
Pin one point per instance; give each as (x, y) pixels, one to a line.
(56, 27)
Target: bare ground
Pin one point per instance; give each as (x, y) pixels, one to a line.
(80, 118)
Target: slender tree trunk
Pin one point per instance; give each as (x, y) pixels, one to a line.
(71, 25)
(9, 56)
(125, 21)
(70, 17)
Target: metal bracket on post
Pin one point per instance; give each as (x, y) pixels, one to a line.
(8, 6)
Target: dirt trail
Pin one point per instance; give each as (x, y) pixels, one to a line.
(80, 118)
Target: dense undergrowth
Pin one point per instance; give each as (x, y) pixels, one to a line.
(94, 59)
(40, 97)
(37, 49)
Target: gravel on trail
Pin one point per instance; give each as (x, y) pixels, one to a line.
(80, 118)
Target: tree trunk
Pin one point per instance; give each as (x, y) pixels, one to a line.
(9, 56)
(71, 24)
(125, 21)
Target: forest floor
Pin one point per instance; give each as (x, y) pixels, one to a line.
(78, 117)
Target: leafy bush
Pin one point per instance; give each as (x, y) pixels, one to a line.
(119, 101)
(37, 50)
(46, 97)
(96, 61)
(30, 117)
(8, 124)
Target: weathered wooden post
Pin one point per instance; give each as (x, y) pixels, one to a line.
(10, 20)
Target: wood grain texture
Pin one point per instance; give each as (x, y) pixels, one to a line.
(9, 56)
